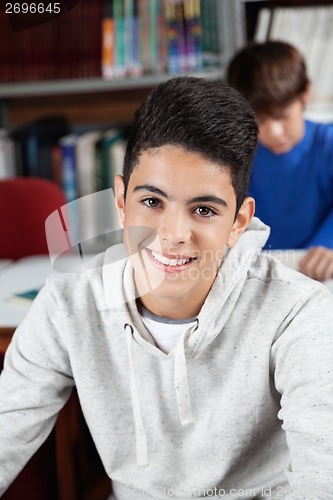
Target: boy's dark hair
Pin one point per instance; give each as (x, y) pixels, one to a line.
(201, 116)
(269, 75)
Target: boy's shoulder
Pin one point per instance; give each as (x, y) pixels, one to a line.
(86, 281)
(319, 134)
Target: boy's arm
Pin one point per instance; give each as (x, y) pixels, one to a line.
(34, 385)
(317, 263)
(303, 375)
(324, 234)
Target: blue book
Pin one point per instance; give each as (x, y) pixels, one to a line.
(24, 297)
(69, 182)
(67, 145)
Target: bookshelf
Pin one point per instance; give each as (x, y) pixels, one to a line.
(81, 98)
(72, 78)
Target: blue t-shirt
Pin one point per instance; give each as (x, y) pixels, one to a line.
(294, 191)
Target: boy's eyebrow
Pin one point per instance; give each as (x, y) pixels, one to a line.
(197, 199)
(208, 198)
(152, 189)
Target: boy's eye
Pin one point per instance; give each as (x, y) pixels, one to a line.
(204, 211)
(152, 202)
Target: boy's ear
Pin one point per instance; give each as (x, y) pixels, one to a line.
(243, 219)
(119, 188)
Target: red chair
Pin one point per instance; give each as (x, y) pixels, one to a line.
(25, 203)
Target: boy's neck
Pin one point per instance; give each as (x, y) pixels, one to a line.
(179, 308)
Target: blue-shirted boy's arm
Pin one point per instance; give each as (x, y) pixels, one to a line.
(324, 234)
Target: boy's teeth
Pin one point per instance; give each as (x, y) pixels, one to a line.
(169, 262)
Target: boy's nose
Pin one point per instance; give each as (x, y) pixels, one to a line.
(175, 229)
(273, 128)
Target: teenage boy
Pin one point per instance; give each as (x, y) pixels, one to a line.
(292, 176)
(203, 367)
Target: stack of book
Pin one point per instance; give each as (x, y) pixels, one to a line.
(113, 39)
(154, 36)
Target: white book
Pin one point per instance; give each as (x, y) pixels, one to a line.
(262, 26)
(280, 24)
(323, 88)
(86, 183)
(85, 158)
(7, 155)
(316, 46)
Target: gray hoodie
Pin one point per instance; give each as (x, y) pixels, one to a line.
(241, 408)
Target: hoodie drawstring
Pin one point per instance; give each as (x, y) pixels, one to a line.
(141, 438)
(181, 380)
(181, 389)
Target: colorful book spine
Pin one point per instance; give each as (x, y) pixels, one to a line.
(69, 182)
(136, 63)
(132, 62)
(119, 24)
(210, 41)
(108, 168)
(68, 144)
(193, 34)
(180, 29)
(153, 35)
(143, 9)
(162, 39)
(108, 39)
(172, 37)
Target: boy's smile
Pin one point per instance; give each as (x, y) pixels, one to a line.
(189, 203)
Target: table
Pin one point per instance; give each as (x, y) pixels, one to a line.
(26, 274)
(4, 263)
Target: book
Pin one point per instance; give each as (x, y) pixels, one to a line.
(110, 162)
(143, 11)
(262, 25)
(132, 56)
(86, 181)
(7, 156)
(108, 41)
(153, 12)
(173, 55)
(69, 183)
(34, 142)
(136, 68)
(69, 178)
(210, 33)
(193, 34)
(119, 27)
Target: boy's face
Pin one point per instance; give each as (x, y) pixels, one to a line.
(188, 205)
(281, 131)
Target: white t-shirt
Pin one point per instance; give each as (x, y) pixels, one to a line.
(165, 331)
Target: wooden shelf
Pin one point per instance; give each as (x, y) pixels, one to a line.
(87, 85)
